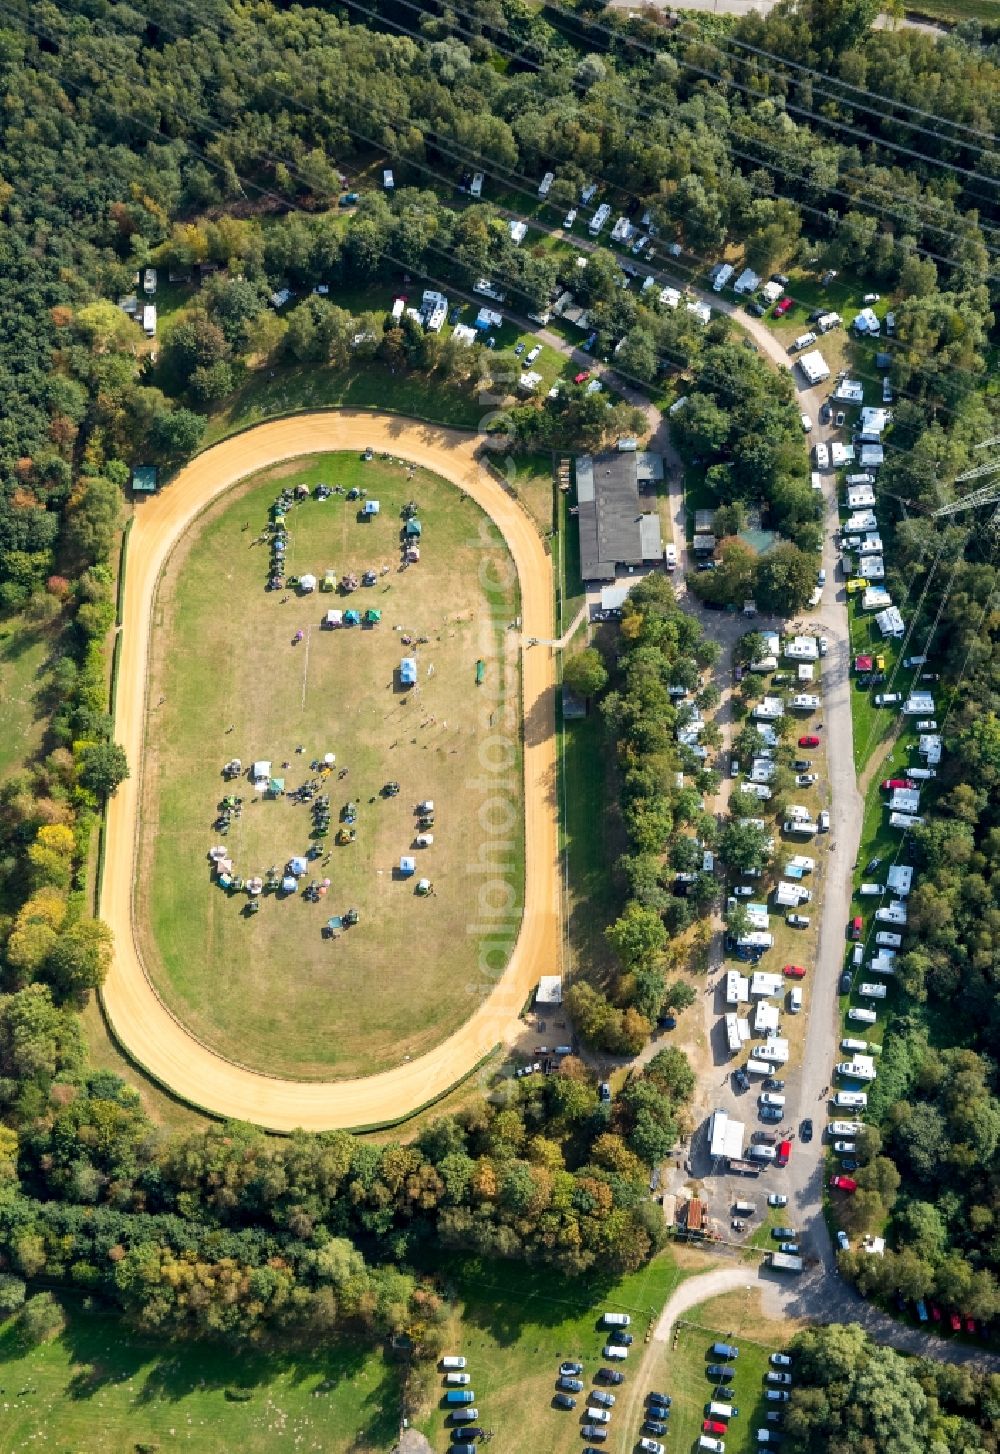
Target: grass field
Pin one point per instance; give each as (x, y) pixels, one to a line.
(516, 1324)
(98, 1390)
(267, 394)
(269, 991)
(680, 1368)
(24, 651)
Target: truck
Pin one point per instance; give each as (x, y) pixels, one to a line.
(739, 1167)
(785, 1262)
(149, 320)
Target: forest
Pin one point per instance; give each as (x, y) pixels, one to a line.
(215, 144)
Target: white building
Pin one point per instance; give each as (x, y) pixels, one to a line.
(747, 282)
(919, 704)
(766, 1019)
(549, 991)
(802, 648)
(462, 333)
(929, 745)
(905, 800)
(670, 297)
(774, 1049)
(900, 879)
(764, 985)
(876, 598)
(859, 496)
(814, 366)
(841, 455)
(737, 988)
(872, 456)
(859, 522)
(433, 310)
(518, 231)
(849, 391)
(769, 709)
(890, 622)
(874, 421)
(701, 311)
(725, 1137)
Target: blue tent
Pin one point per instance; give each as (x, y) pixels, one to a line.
(414, 527)
(298, 866)
(352, 618)
(289, 884)
(408, 671)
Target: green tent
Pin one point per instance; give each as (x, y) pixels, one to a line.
(276, 786)
(372, 616)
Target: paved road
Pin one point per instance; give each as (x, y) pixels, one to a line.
(139, 1020)
(764, 7)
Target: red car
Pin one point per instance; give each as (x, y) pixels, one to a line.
(844, 1183)
(782, 308)
(809, 741)
(956, 1322)
(935, 1312)
(784, 1152)
(582, 378)
(970, 1325)
(712, 1426)
(897, 782)
(794, 971)
(857, 927)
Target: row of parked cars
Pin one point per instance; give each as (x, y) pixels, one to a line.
(460, 1402)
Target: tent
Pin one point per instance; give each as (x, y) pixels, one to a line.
(255, 886)
(408, 671)
(225, 882)
(352, 618)
(370, 508)
(298, 866)
(333, 619)
(261, 774)
(423, 886)
(289, 884)
(329, 758)
(307, 583)
(372, 616)
(276, 786)
(414, 527)
(407, 865)
(413, 553)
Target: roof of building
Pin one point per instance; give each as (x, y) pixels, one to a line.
(549, 990)
(144, 479)
(609, 514)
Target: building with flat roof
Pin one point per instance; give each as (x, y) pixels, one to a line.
(615, 532)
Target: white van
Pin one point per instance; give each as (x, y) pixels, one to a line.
(758, 1067)
(794, 1000)
(457, 1380)
(760, 1151)
(453, 1362)
(769, 1098)
(861, 1046)
(671, 557)
(716, 1446)
(614, 1350)
(615, 1320)
(857, 955)
(720, 1411)
(868, 889)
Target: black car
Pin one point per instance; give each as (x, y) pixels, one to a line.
(757, 309)
(779, 278)
(659, 1398)
(654, 1426)
(849, 1164)
(845, 983)
(468, 1433)
(609, 1375)
(825, 412)
(806, 1130)
(816, 315)
(721, 1372)
(625, 1339)
(667, 1022)
(741, 1079)
(773, 1083)
(802, 764)
(570, 1385)
(563, 1401)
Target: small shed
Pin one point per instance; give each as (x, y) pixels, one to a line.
(370, 509)
(407, 864)
(408, 671)
(333, 619)
(145, 478)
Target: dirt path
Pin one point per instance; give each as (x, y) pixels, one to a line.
(140, 1022)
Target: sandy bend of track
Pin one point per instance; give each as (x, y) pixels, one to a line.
(138, 1018)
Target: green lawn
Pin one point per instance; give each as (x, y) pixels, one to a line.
(516, 1324)
(24, 651)
(269, 393)
(99, 1389)
(679, 1368)
(270, 990)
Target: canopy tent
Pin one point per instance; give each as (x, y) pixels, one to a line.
(333, 619)
(414, 527)
(408, 671)
(289, 884)
(352, 618)
(372, 616)
(225, 881)
(307, 583)
(407, 864)
(329, 758)
(276, 786)
(370, 508)
(298, 866)
(423, 886)
(217, 853)
(413, 553)
(255, 886)
(261, 774)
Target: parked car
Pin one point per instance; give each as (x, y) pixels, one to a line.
(781, 1360)
(570, 1370)
(721, 1372)
(772, 1083)
(794, 971)
(856, 928)
(806, 1129)
(807, 423)
(843, 1242)
(844, 1183)
(777, 1199)
(650, 1446)
(655, 1426)
(533, 353)
(713, 1426)
(792, 1248)
(797, 921)
(582, 376)
(802, 764)
(782, 1234)
(844, 986)
(806, 779)
(782, 308)
(824, 820)
(810, 740)
(614, 1376)
(564, 1401)
(888, 699)
(897, 782)
(605, 1400)
(784, 1379)
(845, 1148)
(659, 1398)
(777, 1395)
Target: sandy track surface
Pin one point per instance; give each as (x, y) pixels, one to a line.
(141, 1023)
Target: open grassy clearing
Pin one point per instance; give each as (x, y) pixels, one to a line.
(95, 1390)
(679, 1369)
(515, 1325)
(268, 990)
(24, 651)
